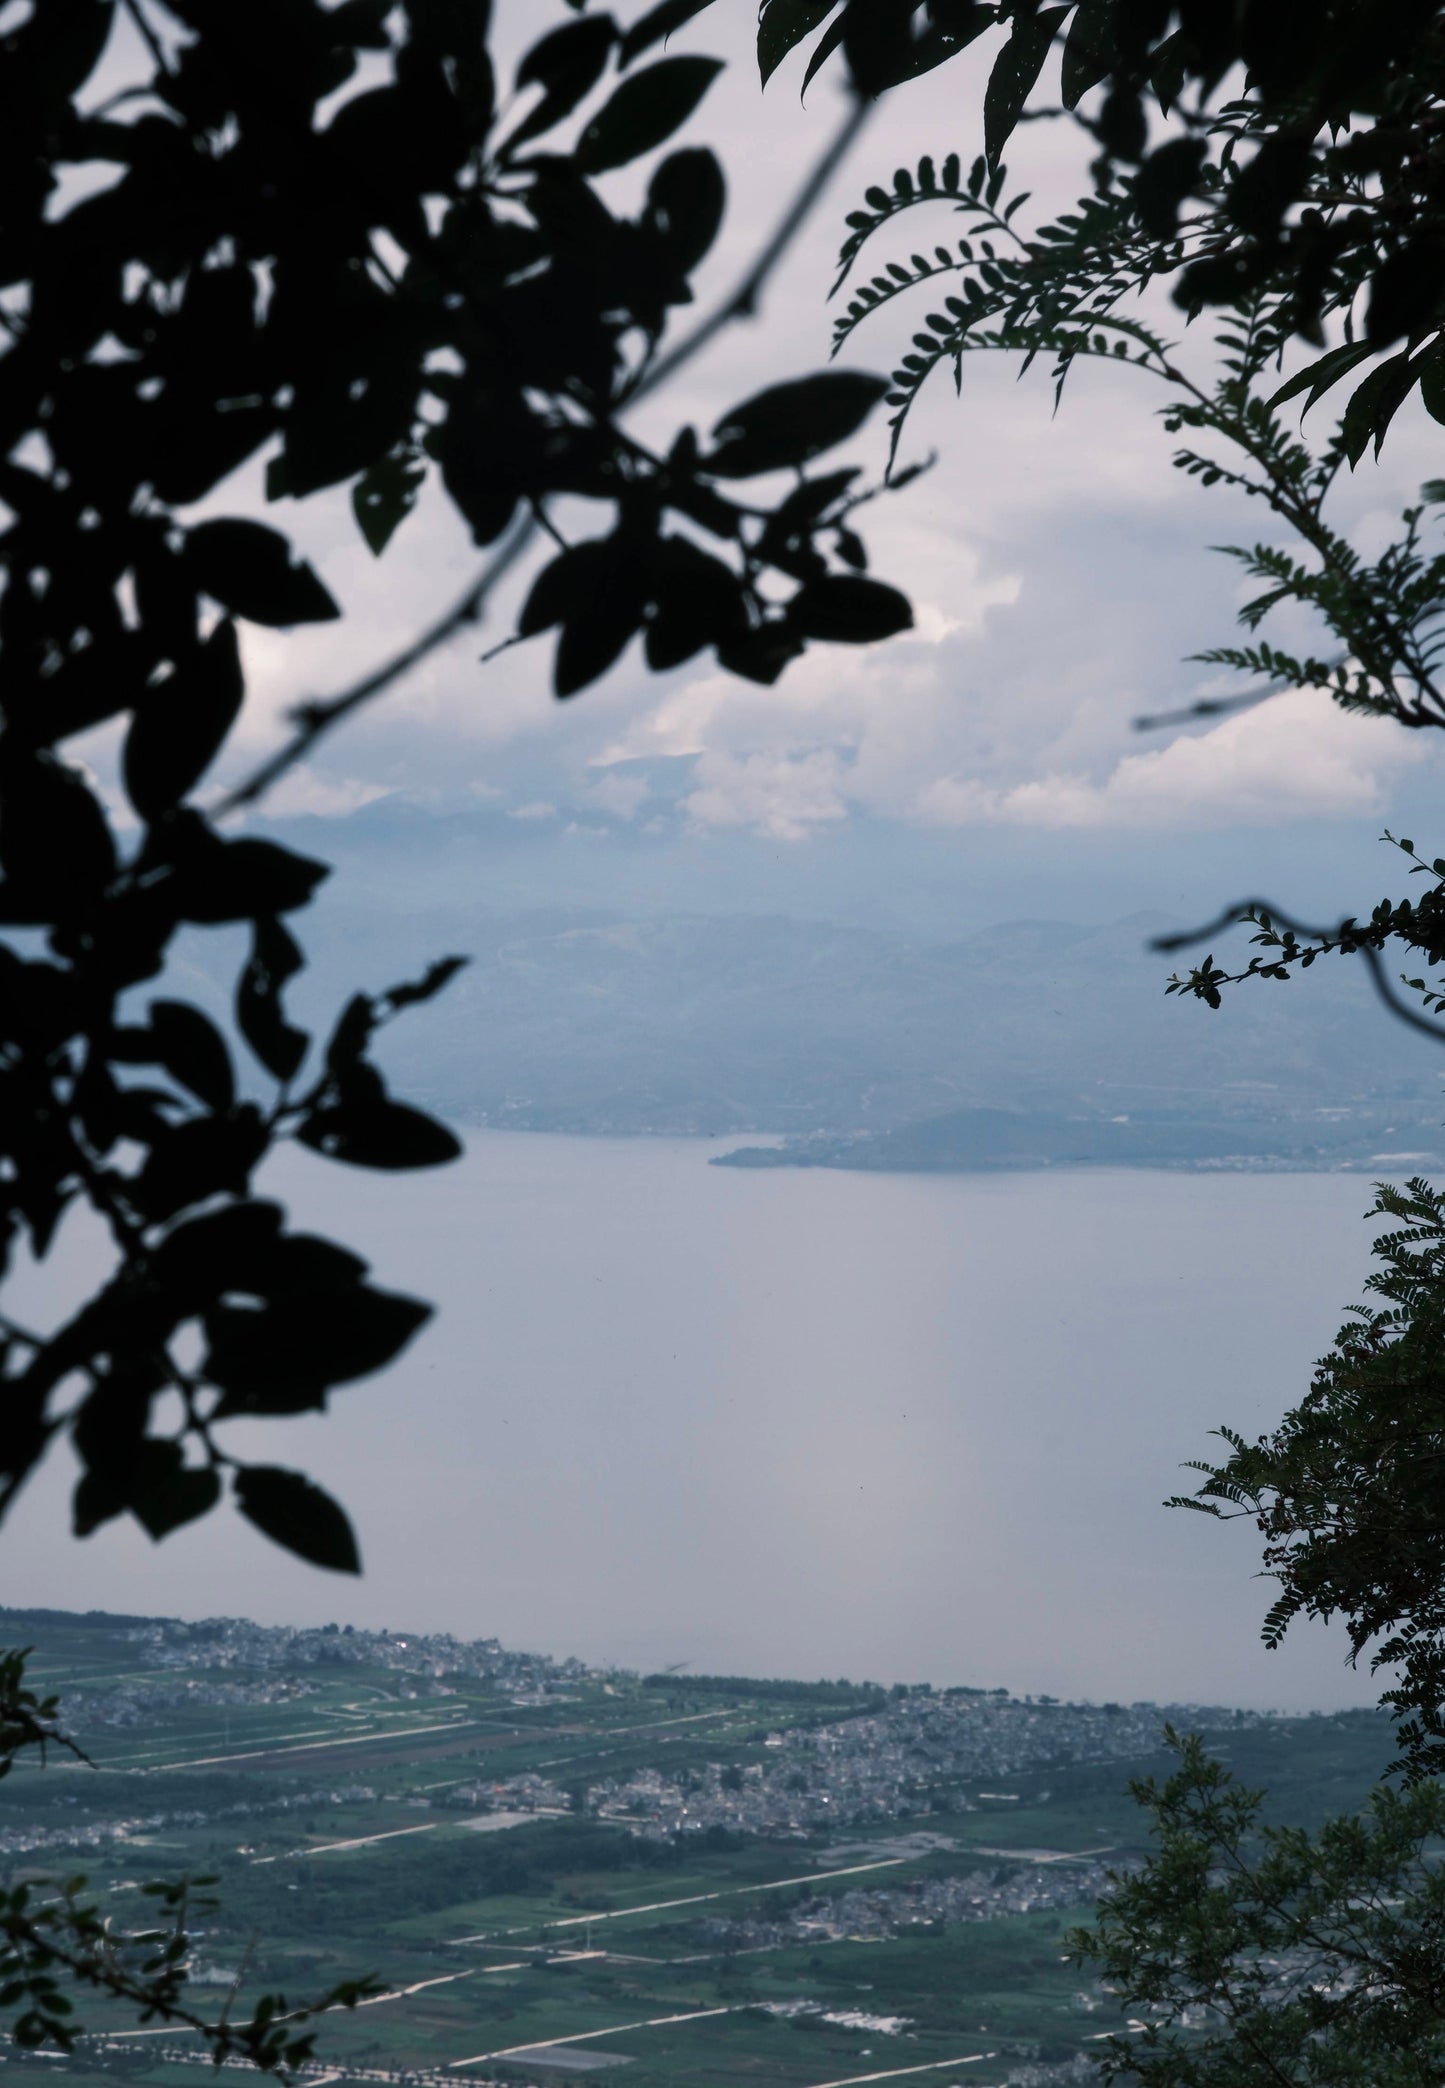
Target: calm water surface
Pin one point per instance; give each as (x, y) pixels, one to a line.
(805, 1423)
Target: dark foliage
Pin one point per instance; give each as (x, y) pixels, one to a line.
(1346, 1491)
(1259, 1956)
(1307, 205)
(1323, 179)
(772, 1688)
(57, 1943)
(219, 261)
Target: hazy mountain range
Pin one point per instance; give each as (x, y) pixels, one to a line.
(1031, 1040)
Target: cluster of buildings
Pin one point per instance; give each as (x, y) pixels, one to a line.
(87, 1832)
(873, 1914)
(415, 1657)
(527, 1793)
(924, 1751)
(134, 1701)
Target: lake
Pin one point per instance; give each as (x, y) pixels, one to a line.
(806, 1423)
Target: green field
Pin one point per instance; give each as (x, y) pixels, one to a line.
(327, 1814)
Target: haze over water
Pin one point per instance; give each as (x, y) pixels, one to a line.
(804, 1423)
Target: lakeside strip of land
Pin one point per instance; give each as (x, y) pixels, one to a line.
(970, 1141)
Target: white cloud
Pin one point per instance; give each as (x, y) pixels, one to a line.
(1057, 566)
(1298, 756)
(783, 795)
(301, 790)
(619, 795)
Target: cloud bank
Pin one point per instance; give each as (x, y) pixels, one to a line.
(1059, 567)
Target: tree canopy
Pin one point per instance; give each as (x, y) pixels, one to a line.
(368, 269)
(1268, 144)
(1255, 1955)
(1279, 165)
(366, 264)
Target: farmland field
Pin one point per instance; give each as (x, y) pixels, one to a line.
(557, 1871)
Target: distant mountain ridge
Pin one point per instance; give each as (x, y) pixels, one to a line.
(716, 1024)
(716, 985)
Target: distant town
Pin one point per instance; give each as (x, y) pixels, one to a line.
(899, 1753)
(556, 1868)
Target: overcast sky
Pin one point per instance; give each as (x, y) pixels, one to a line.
(1059, 567)
(1060, 573)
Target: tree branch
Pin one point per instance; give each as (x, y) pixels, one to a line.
(743, 303)
(1207, 707)
(316, 717)
(1238, 916)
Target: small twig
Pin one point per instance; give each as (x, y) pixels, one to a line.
(544, 521)
(1207, 707)
(236, 1984)
(314, 719)
(148, 36)
(13, 1331)
(1239, 915)
(743, 303)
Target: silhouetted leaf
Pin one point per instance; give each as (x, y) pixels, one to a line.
(597, 593)
(685, 200)
(763, 654)
(305, 1263)
(644, 111)
(782, 24)
(1408, 290)
(380, 1133)
(293, 1512)
(350, 1038)
(164, 1493)
(878, 43)
(274, 959)
(1270, 182)
(790, 423)
(431, 982)
(1374, 404)
(181, 723)
(658, 23)
(1317, 377)
(206, 1156)
(225, 1250)
(823, 49)
(595, 638)
(98, 1497)
(55, 846)
(699, 601)
(567, 64)
(1090, 49)
(128, 1470)
(565, 585)
(1015, 70)
(849, 608)
(249, 570)
(193, 1051)
(1165, 179)
(383, 497)
(1432, 385)
(283, 1356)
(242, 880)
